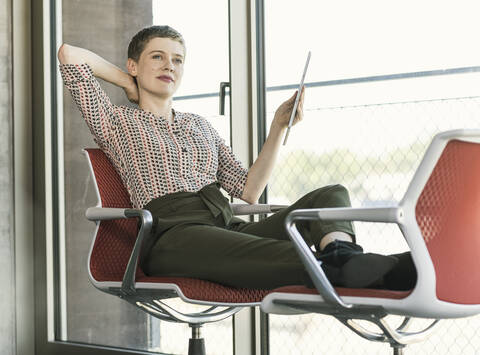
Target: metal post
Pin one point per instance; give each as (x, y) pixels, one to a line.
(196, 344)
(398, 350)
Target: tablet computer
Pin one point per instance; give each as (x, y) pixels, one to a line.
(297, 98)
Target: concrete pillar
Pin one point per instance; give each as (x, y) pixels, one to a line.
(7, 280)
(104, 27)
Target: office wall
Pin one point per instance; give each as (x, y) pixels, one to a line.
(7, 281)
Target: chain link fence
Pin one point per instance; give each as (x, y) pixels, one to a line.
(374, 151)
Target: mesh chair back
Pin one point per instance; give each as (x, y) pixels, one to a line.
(447, 213)
(115, 239)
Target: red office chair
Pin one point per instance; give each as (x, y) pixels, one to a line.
(438, 217)
(441, 202)
(116, 248)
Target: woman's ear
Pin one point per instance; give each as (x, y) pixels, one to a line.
(132, 67)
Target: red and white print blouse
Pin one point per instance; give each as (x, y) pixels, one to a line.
(153, 156)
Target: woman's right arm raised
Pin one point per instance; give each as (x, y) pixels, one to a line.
(101, 68)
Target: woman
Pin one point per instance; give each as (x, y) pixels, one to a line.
(174, 163)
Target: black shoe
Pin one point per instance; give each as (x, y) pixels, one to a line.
(365, 270)
(338, 252)
(346, 265)
(403, 276)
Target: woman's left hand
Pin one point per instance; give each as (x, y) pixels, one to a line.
(282, 115)
(131, 90)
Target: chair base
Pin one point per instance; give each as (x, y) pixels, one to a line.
(196, 344)
(196, 347)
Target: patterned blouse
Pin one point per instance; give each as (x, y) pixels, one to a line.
(153, 156)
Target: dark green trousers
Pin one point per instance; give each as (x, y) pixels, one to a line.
(195, 235)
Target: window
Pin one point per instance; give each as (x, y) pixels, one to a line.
(362, 127)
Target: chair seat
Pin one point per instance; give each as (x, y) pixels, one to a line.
(348, 292)
(202, 290)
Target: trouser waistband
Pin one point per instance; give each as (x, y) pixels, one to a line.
(210, 195)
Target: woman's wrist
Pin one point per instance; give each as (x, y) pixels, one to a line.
(277, 127)
(127, 82)
(130, 87)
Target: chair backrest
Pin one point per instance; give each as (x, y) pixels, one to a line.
(448, 215)
(114, 239)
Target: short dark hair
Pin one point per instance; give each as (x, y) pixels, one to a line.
(140, 40)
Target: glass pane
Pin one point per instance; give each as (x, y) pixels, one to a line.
(90, 316)
(372, 37)
(368, 136)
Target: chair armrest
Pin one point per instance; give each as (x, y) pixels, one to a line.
(146, 220)
(102, 214)
(246, 209)
(313, 266)
(387, 214)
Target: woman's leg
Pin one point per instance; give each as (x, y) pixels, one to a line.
(312, 231)
(228, 257)
(334, 240)
(259, 254)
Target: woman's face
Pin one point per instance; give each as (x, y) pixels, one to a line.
(159, 69)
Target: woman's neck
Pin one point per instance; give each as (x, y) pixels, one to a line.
(158, 106)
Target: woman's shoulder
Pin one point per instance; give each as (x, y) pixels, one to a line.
(190, 115)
